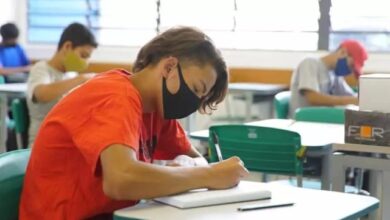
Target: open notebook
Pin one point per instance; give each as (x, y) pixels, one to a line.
(245, 191)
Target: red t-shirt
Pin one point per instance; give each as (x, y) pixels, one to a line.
(64, 178)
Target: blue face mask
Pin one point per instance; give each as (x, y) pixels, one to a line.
(342, 68)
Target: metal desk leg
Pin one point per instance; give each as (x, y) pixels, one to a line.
(338, 173)
(228, 107)
(3, 123)
(340, 162)
(325, 170)
(189, 120)
(385, 200)
(248, 104)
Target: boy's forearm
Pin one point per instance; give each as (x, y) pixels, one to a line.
(50, 92)
(315, 98)
(12, 70)
(145, 181)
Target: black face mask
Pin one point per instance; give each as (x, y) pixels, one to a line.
(182, 103)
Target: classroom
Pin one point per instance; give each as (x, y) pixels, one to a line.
(194, 109)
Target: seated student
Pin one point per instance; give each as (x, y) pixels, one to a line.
(94, 150)
(321, 81)
(48, 82)
(14, 64)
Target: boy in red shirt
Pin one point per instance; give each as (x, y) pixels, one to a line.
(94, 150)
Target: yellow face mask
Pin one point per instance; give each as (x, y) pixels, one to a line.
(73, 63)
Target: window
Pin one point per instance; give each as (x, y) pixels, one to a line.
(365, 20)
(277, 24)
(236, 24)
(48, 18)
(6, 12)
(114, 22)
(127, 22)
(214, 17)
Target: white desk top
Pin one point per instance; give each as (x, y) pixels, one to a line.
(310, 131)
(257, 88)
(309, 204)
(13, 88)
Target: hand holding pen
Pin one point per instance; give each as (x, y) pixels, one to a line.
(226, 173)
(216, 145)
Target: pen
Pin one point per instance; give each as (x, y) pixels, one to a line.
(216, 144)
(263, 206)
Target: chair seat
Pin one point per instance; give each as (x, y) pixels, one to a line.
(10, 123)
(12, 169)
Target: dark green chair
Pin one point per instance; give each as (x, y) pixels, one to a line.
(12, 170)
(326, 114)
(321, 114)
(22, 121)
(262, 149)
(282, 103)
(10, 123)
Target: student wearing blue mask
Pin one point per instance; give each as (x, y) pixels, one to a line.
(95, 149)
(320, 81)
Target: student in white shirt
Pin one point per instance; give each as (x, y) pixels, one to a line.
(48, 80)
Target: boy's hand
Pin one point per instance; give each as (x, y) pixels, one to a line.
(227, 173)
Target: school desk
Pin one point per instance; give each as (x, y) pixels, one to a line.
(379, 166)
(309, 204)
(255, 91)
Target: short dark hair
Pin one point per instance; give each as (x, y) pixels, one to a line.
(78, 34)
(192, 46)
(9, 31)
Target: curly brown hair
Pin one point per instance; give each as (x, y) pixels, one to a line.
(189, 46)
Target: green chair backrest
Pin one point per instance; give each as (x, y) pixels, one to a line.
(281, 104)
(21, 121)
(321, 114)
(262, 149)
(12, 170)
(20, 115)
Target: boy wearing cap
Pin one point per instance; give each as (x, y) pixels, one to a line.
(320, 82)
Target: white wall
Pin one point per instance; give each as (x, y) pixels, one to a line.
(378, 62)
(7, 11)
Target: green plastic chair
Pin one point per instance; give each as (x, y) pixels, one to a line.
(321, 114)
(281, 104)
(10, 123)
(12, 170)
(262, 149)
(22, 121)
(324, 114)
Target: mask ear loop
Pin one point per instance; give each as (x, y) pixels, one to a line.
(181, 77)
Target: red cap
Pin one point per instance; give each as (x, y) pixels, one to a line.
(358, 54)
